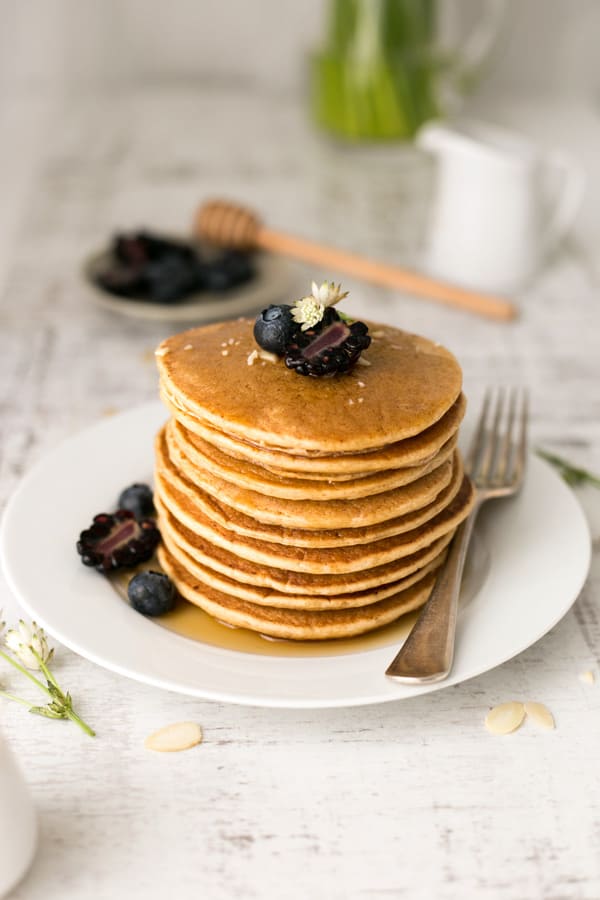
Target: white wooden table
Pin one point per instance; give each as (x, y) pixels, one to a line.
(407, 800)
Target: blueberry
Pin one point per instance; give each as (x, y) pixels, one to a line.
(170, 278)
(227, 270)
(137, 498)
(274, 328)
(151, 593)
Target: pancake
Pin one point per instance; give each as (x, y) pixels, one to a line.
(246, 526)
(268, 597)
(307, 508)
(409, 384)
(322, 561)
(295, 624)
(194, 454)
(413, 451)
(313, 513)
(287, 581)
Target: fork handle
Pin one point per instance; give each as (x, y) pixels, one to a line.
(427, 654)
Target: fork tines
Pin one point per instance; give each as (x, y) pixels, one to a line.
(496, 457)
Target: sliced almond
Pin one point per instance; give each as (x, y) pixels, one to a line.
(505, 717)
(540, 714)
(172, 738)
(587, 677)
(268, 357)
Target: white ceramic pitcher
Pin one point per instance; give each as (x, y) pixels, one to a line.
(18, 829)
(500, 204)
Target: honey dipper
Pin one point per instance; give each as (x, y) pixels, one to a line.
(229, 225)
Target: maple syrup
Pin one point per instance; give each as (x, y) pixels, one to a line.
(191, 622)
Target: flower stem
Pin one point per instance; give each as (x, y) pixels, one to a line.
(69, 711)
(15, 698)
(63, 703)
(44, 668)
(573, 475)
(79, 721)
(25, 672)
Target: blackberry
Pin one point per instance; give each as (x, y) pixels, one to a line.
(117, 540)
(138, 499)
(332, 347)
(151, 593)
(171, 278)
(123, 281)
(228, 270)
(274, 328)
(139, 247)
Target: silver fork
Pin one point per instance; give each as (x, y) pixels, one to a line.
(495, 463)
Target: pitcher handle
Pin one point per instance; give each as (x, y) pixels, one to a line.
(571, 183)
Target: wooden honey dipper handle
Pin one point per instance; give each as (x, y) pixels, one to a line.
(228, 225)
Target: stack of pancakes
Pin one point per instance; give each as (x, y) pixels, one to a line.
(307, 508)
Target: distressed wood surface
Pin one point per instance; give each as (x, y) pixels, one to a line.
(411, 799)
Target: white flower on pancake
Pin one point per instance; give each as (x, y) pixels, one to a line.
(309, 311)
(29, 644)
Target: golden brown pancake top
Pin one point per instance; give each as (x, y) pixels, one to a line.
(407, 386)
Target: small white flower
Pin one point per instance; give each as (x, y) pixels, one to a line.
(27, 640)
(309, 311)
(328, 293)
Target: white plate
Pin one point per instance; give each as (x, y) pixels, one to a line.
(523, 595)
(272, 284)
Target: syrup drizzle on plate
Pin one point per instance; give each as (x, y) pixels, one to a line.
(193, 623)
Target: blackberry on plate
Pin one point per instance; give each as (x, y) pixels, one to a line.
(117, 540)
(332, 347)
(171, 278)
(140, 247)
(151, 593)
(138, 499)
(123, 281)
(227, 270)
(274, 328)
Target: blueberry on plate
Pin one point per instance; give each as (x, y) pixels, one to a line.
(274, 328)
(137, 498)
(228, 270)
(171, 278)
(151, 593)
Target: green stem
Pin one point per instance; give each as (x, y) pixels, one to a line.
(15, 698)
(72, 715)
(79, 721)
(25, 672)
(47, 673)
(572, 474)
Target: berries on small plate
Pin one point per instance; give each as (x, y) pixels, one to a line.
(137, 498)
(117, 540)
(146, 267)
(151, 593)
